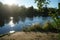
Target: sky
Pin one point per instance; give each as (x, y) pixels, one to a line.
(28, 3)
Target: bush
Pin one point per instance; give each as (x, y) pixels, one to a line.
(58, 36)
(48, 27)
(35, 27)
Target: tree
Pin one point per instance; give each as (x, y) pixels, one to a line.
(1, 15)
(41, 3)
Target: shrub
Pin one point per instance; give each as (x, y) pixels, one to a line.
(48, 27)
(35, 27)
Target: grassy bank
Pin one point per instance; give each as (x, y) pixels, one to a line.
(47, 27)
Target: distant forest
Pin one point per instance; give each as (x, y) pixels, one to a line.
(17, 12)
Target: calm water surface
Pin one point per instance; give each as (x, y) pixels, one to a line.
(11, 27)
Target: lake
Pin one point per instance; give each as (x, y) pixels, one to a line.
(11, 27)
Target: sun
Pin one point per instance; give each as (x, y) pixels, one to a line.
(10, 2)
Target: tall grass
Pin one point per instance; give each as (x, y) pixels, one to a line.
(47, 27)
(34, 27)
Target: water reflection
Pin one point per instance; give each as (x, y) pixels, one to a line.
(13, 27)
(11, 31)
(11, 22)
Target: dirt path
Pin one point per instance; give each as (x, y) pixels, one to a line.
(30, 36)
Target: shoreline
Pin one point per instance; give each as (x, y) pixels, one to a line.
(30, 35)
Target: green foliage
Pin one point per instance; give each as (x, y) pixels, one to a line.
(35, 28)
(56, 22)
(59, 5)
(41, 3)
(58, 36)
(48, 27)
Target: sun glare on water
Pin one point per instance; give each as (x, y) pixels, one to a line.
(11, 22)
(10, 2)
(11, 31)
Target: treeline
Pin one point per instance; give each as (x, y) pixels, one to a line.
(16, 11)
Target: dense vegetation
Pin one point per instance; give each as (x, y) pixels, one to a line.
(45, 11)
(47, 27)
